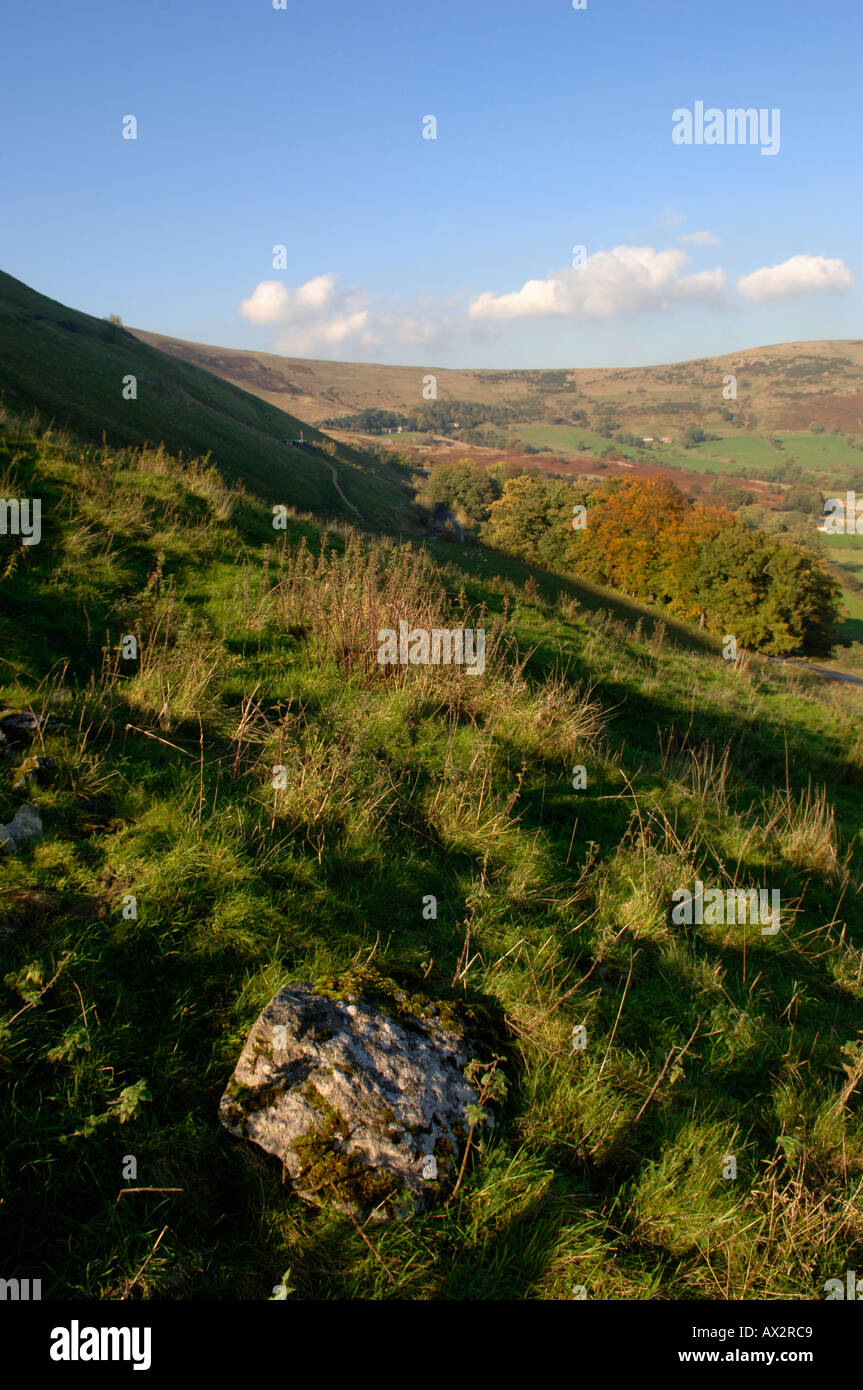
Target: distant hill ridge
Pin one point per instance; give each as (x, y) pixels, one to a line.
(787, 385)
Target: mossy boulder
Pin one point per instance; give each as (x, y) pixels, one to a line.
(355, 1085)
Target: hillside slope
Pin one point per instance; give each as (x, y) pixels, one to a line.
(71, 368)
(788, 385)
(609, 1165)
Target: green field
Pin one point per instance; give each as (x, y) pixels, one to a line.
(846, 553)
(565, 439)
(752, 451)
(828, 457)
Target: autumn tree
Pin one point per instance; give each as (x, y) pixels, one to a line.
(625, 543)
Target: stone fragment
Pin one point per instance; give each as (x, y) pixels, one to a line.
(19, 727)
(363, 1109)
(24, 828)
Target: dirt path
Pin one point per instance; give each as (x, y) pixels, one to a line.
(818, 670)
(338, 487)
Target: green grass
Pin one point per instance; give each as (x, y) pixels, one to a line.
(846, 553)
(752, 451)
(119, 1034)
(566, 439)
(509, 577)
(826, 455)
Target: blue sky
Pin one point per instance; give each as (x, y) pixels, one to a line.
(303, 127)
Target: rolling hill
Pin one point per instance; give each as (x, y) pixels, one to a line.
(197, 400)
(787, 386)
(797, 417)
(153, 785)
(73, 368)
(176, 886)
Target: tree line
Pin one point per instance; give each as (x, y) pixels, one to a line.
(651, 541)
(439, 417)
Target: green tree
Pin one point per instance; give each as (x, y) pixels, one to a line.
(466, 485)
(532, 518)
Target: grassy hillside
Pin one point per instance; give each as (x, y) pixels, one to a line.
(118, 1033)
(785, 386)
(797, 417)
(71, 368)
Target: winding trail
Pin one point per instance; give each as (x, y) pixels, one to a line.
(338, 487)
(311, 445)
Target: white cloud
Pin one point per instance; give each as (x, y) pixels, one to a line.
(267, 303)
(626, 280)
(699, 238)
(322, 318)
(319, 317)
(314, 294)
(797, 276)
(272, 302)
(342, 332)
(315, 316)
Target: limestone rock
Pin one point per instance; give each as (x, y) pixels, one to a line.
(24, 828)
(364, 1110)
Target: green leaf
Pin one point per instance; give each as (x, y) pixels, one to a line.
(130, 1099)
(791, 1147)
(27, 983)
(74, 1041)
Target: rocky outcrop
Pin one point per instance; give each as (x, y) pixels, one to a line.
(364, 1106)
(25, 828)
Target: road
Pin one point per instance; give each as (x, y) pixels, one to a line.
(819, 670)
